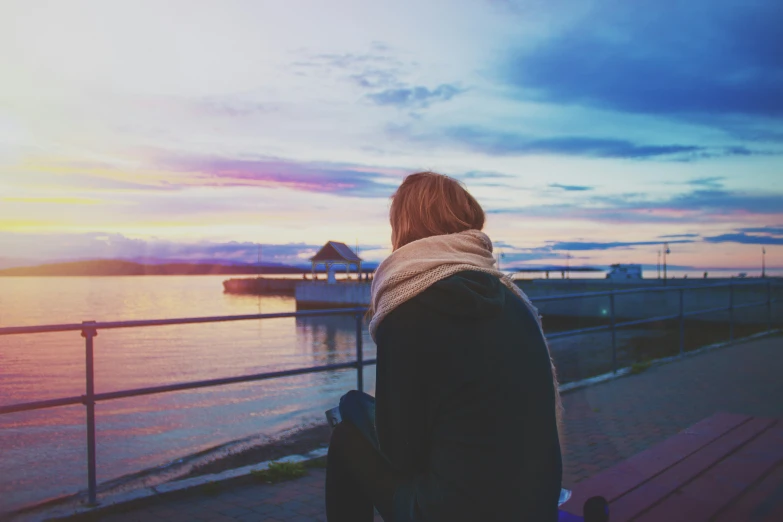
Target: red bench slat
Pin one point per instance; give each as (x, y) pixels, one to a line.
(629, 474)
(762, 503)
(660, 486)
(719, 485)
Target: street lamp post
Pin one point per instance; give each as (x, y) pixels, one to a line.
(763, 262)
(666, 251)
(659, 263)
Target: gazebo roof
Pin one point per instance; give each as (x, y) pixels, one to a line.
(336, 251)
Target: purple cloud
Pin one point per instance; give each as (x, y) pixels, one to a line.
(340, 179)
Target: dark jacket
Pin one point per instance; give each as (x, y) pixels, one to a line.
(466, 406)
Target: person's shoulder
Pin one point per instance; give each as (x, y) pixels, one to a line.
(410, 319)
(408, 314)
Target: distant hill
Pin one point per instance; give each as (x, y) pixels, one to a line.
(127, 268)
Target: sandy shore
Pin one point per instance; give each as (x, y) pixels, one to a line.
(296, 443)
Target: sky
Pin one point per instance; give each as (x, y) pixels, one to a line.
(196, 130)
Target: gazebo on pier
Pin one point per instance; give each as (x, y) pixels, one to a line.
(336, 253)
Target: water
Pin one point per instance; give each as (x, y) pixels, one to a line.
(43, 453)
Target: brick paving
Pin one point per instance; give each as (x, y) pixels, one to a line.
(603, 425)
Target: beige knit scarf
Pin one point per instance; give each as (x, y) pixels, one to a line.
(413, 268)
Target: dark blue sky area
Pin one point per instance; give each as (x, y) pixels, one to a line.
(685, 59)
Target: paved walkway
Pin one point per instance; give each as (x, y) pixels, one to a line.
(604, 424)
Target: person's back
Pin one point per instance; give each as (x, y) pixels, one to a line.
(466, 403)
(464, 423)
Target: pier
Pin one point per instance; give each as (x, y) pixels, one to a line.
(261, 286)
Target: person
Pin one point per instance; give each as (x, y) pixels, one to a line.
(464, 424)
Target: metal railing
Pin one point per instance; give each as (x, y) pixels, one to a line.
(680, 316)
(89, 330)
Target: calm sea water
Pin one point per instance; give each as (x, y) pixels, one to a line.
(43, 453)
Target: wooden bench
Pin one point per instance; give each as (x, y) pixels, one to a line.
(726, 468)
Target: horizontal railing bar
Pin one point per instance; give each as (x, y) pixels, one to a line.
(53, 403)
(569, 333)
(13, 330)
(708, 311)
(166, 322)
(40, 405)
(605, 293)
(225, 380)
(748, 305)
(649, 320)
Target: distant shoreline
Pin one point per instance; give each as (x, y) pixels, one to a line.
(99, 268)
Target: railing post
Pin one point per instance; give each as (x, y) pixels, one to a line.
(731, 311)
(89, 401)
(682, 321)
(359, 354)
(614, 333)
(769, 306)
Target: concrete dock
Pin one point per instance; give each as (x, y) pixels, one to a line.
(320, 294)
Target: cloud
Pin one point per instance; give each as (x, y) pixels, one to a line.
(32, 249)
(378, 72)
(54, 201)
(714, 182)
(597, 245)
(769, 235)
(376, 68)
(683, 59)
(776, 230)
(340, 179)
(414, 97)
(482, 174)
(477, 178)
(498, 142)
(747, 239)
(727, 202)
(570, 188)
(495, 142)
(676, 236)
(697, 206)
(234, 107)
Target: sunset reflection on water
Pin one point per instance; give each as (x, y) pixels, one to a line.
(44, 451)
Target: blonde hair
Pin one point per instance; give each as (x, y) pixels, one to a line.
(430, 204)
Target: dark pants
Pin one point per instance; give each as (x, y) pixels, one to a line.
(358, 477)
